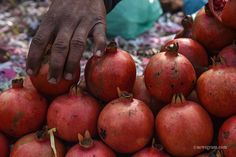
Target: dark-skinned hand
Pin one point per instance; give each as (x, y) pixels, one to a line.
(67, 25)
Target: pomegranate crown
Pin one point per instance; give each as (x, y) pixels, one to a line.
(111, 47)
(85, 141)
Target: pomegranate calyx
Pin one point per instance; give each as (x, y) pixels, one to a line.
(178, 99)
(52, 140)
(207, 10)
(124, 94)
(217, 61)
(173, 48)
(85, 141)
(111, 47)
(75, 90)
(17, 82)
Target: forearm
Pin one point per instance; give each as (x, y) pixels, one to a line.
(110, 4)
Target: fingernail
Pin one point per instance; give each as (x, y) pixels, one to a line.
(68, 76)
(52, 80)
(98, 53)
(30, 72)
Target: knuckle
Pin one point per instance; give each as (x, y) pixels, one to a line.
(60, 46)
(77, 43)
(50, 17)
(38, 40)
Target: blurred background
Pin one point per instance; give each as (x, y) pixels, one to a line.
(141, 27)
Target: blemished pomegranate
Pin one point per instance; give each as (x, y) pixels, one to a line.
(22, 110)
(88, 147)
(216, 90)
(104, 74)
(126, 124)
(4, 146)
(140, 92)
(229, 54)
(187, 24)
(193, 51)
(183, 125)
(168, 73)
(227, 137)
(152, 151)
(40, 82)
(38, 144)
(224, 11)
(210, 32)
(73, 113)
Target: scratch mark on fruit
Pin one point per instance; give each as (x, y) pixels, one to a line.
(132, 112)
(157, 74)
(226, 134)
(103, 133)
(17, 118)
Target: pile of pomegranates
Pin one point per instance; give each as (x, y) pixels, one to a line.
(185, 100)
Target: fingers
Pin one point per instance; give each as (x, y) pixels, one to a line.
(39, 44)
(99, 35)
(60, 49)
(77, 47)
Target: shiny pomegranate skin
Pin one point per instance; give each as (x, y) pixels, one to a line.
(73, 113)
(224, 11)
(168, 73)
(40, 82)
(30, 146)
(227, 137)
(4, 146)
(22, 110)
(193, 51)
(229, 55)
(104, 74)
(216, 90)
(210, 32)
(126, 125)
(181, 126)
(97, 150)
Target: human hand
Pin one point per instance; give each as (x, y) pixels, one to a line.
(67, 25)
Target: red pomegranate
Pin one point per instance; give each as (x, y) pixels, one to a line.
(140, 92)
(89, 148)
(227, 137)
(73, 113)
(193, 51)
(216, 90)
(28, 83)
(182, 125)
(210, 32)
(229, 54)
(4, 146)
(152, 151)
(224, 11)
(168, 73)
(187, 24)
(22, 110)
(38, 145)
(126, 124)
(104, 74)
(41, 83)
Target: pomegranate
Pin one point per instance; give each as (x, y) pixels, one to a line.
(140, 92)
(126, 124)
(182, 125)
(227, 137)
(22, 110)
(224, 11)
(168, 73)
(104, 74)
(28, 84)
(187, 24)
(152, 151)
(193, 51)
(88, 147)
(41, 83)
(4, 146)
(229, 54)
(210, 32)
(216, 90)
(38, 145)
(73, 113)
